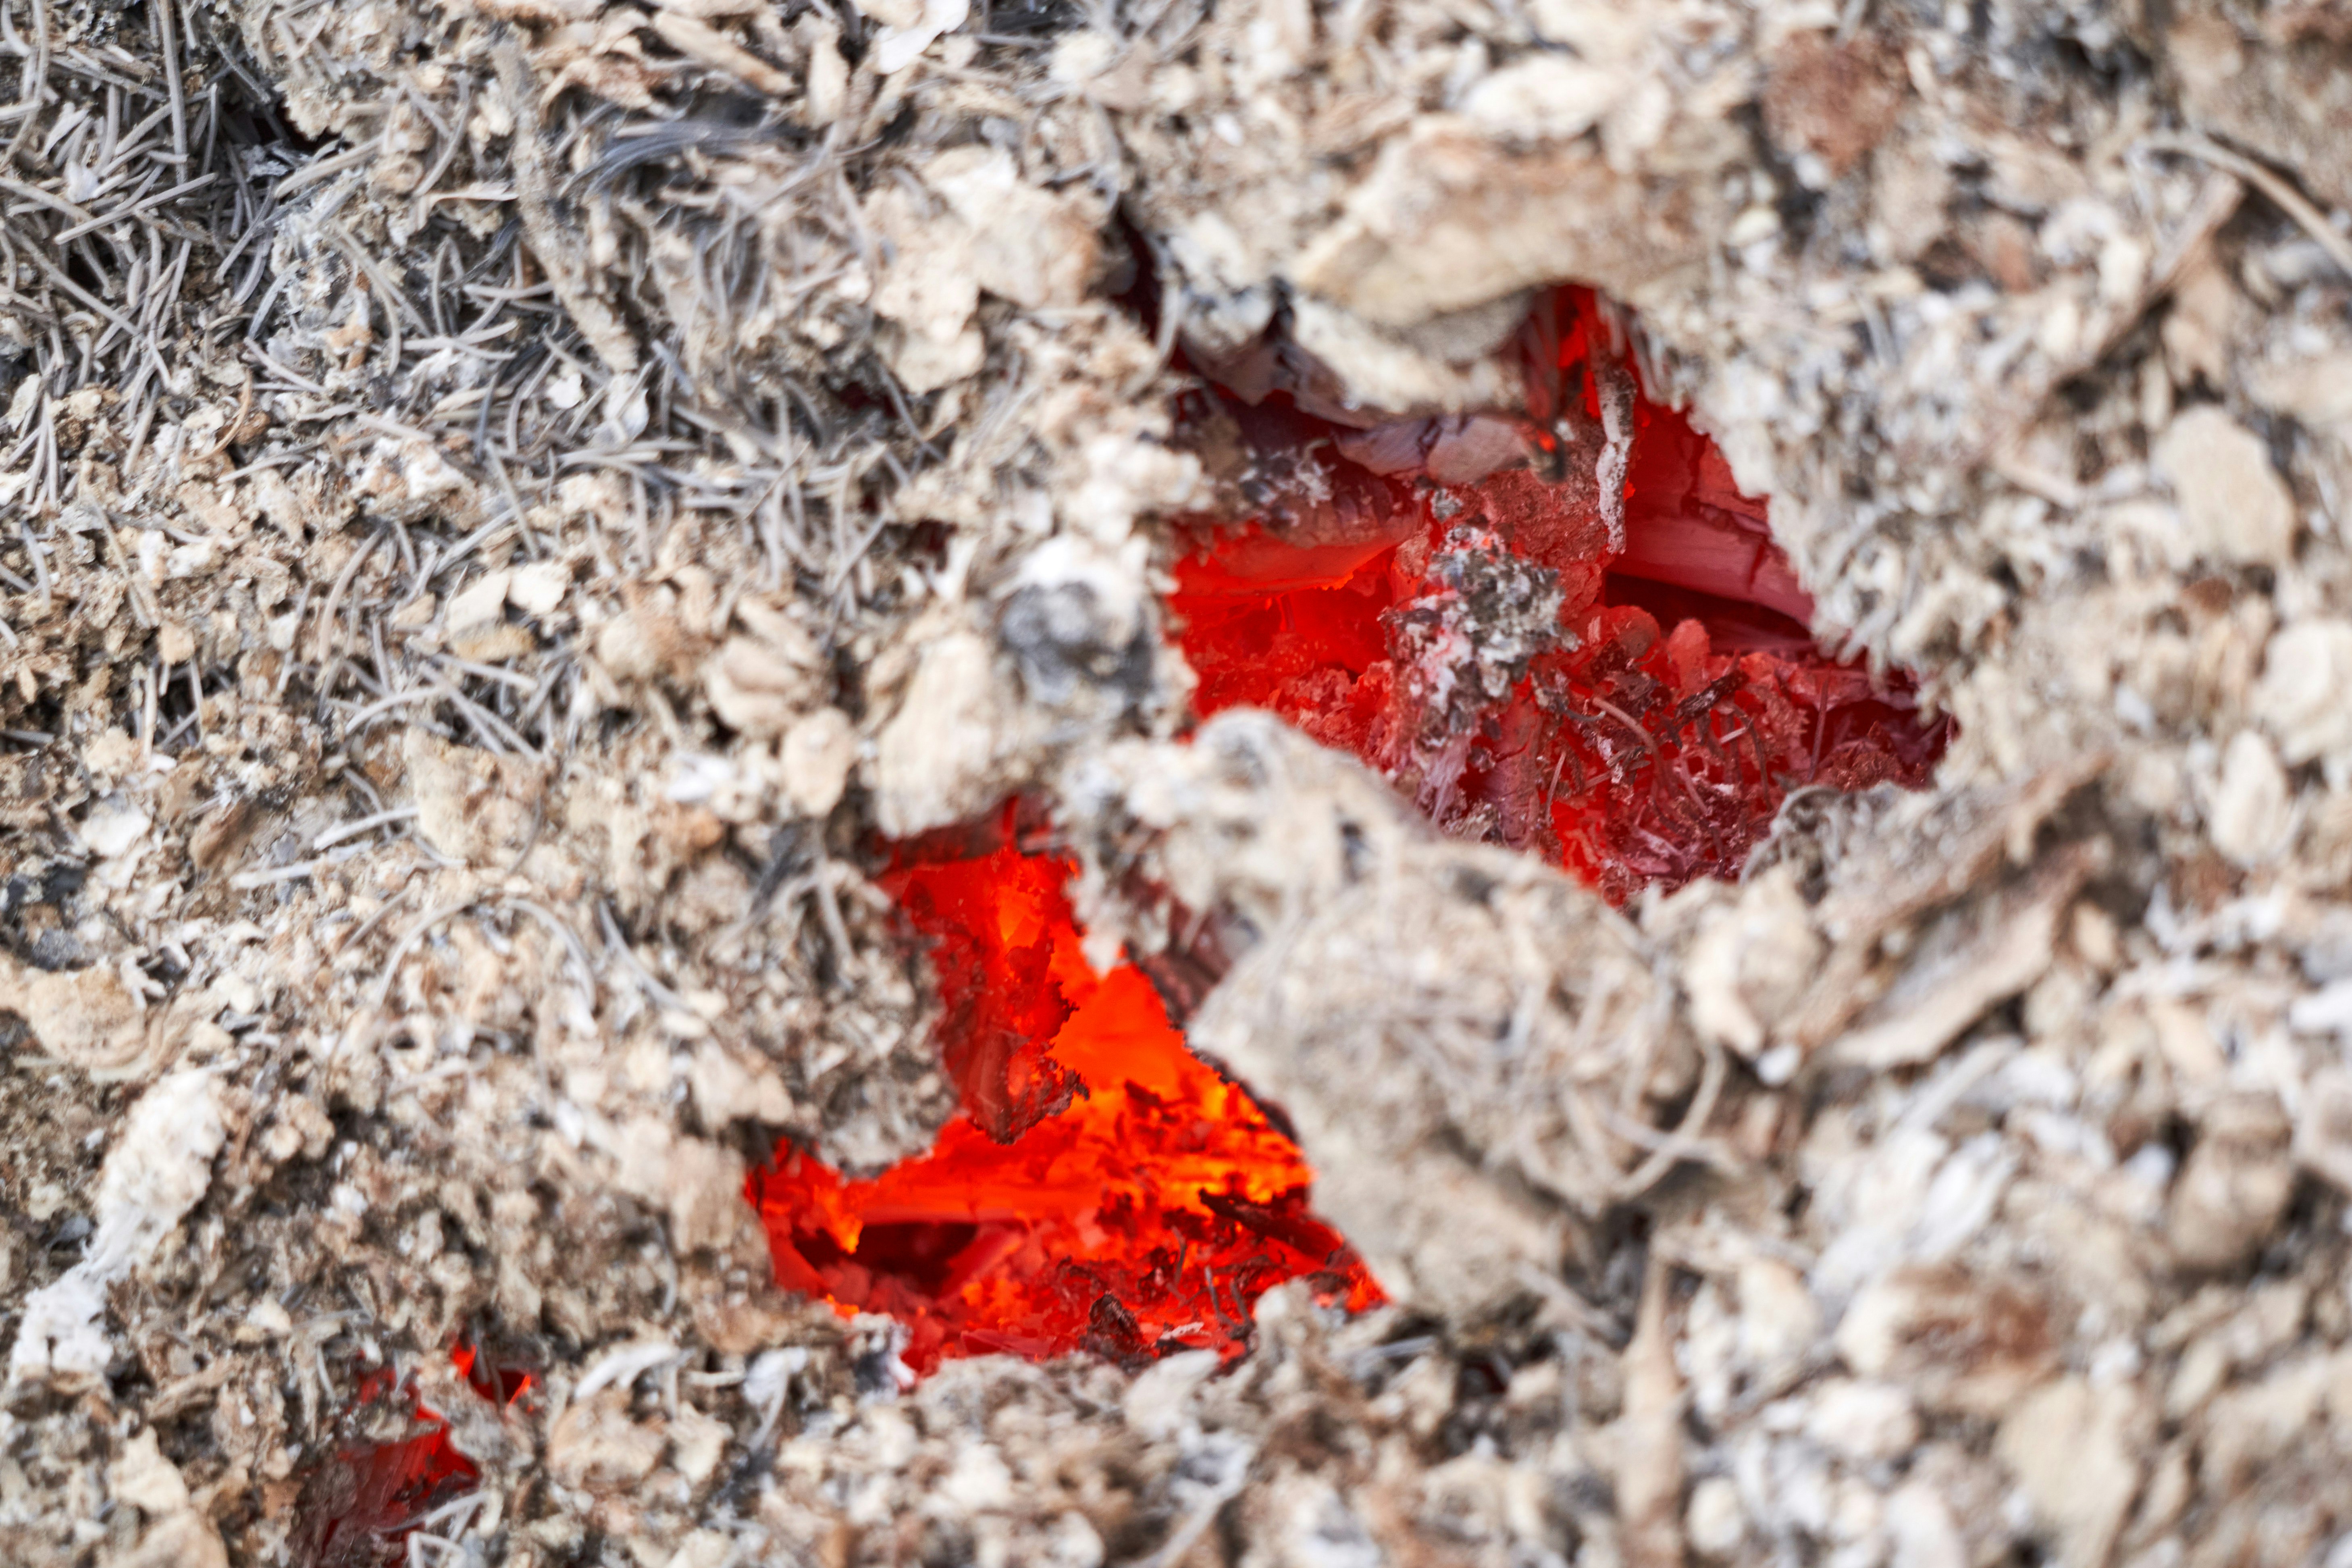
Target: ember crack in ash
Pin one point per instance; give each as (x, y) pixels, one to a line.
(366, 1501)
(1103, 1190)
(1568, 632)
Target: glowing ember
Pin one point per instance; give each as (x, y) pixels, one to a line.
(1631, 691)
(1633, 708)
(1103, 1189)
(367, 1501)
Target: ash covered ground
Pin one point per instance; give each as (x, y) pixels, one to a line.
(504, 502)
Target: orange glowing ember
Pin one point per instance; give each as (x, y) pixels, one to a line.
(1103, 1190)
(1654, 693)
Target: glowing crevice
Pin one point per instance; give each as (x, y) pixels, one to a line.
(1103, 1188)
(1665, 695)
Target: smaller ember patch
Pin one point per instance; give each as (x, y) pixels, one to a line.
(1567, 632)
(1102, 1190)
(362, 1505)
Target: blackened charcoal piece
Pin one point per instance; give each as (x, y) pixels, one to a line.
(1064, 638)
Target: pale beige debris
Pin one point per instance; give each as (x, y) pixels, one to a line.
(84, 1017)
(2307, 682)
(925, 289)
(1449, 219)
(1034, 249)
(2233, 505)
(177, 1533)
(470, 805)
(817, 754)
(1751, 961)
(941, 756)
(764, 679)
(2072, 1446)
(1649, 1442)
(691, 35)
(595, 1445)
(2253, 812)
(2235, 1186)
(827, 87)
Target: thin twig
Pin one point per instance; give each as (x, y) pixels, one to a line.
(344, 831)
(2283, 195)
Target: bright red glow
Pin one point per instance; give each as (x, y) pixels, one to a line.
(1103, 1190)
(1652, 743)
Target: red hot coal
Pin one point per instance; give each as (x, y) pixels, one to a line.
(1567, 631)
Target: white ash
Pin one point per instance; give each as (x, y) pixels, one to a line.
(1990, 299)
